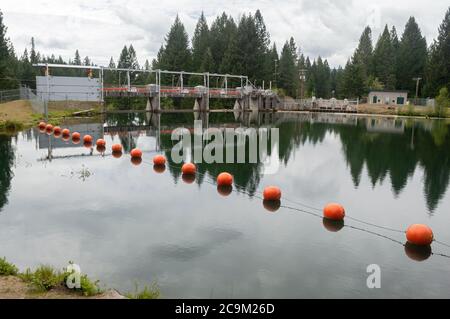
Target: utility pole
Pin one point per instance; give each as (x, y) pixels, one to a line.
(302, 77)
(417, 86)
(275, 82)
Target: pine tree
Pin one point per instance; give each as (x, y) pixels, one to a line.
(364, 54)
(77, 59)
(7, 59)
(132, 58)
(175, 54)
(33, 55)
(287, 70)
(200, 43)
(223, 29)
(384, 60)
(438, 65)
(412, 54)
(207, 61)
(124, 59)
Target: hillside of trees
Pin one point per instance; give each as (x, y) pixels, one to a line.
(245, 47)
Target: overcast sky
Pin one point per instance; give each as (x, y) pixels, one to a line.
(100, 28)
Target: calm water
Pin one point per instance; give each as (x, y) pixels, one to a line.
(126, 224)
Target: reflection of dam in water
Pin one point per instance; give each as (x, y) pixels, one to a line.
(138, 125)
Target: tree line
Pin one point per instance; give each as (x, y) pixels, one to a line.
(245, 47)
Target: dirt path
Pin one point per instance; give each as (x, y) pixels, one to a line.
(19, 111)
(12, 287)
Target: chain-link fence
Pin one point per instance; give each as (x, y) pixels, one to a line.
(9, 95)
(37, 103)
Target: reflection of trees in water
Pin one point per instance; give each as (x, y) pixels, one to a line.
(394, 153)
(6, 174)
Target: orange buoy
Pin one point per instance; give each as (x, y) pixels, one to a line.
(87, 138)
(100, 142)
(117, 154)
(136, 160)
(49, 128)
(135, 152)
(42, 125)
(117, 148)
(334, 211)
(188, 178)
(76, 135)
(272, 205)
(87, 144)
(416, 252)
(65, 131)
(272, 193)
(225, 179)
(224, 190)
(57, 130)
(419, 234)
(65, 138)
(159, 168)
(159, 160)
(188, 169)
(101, 148)
(332, 225)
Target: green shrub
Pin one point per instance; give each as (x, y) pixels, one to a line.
(151, 292)
(7, 269)
(11, 126)
(45, 278)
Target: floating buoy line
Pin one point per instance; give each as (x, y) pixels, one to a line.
(419, 237)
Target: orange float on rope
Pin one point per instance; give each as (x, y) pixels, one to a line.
(136, 153)
(136, 160)
(87, 138)
(272, 205)
(100, 142)
(159, 160)
(76, 135)
(65, 138)
(42, 125)
(101, 148)
(65, 131)
(224, 179)
(419, 234)
(334, 211)
(117, 148)
(224, 190)
(188, 178)
(188, 169)
(272, 193)
(159, 168)
(57, 130)
(49, 128)
(117, 154)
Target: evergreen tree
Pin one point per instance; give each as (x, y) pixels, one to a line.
(223, 30)
(287, 70)
(438, 65)
(207, 61)
(124, 59)
(33, 54)
(175, 55)
(77, 59)
(412, 54)
(132, 58)
(200, 43)
(364, 54)
(7, 57)
(384, 60)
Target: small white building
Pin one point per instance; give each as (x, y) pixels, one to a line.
(388, 97)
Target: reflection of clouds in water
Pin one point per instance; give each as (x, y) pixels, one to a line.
(210, 239)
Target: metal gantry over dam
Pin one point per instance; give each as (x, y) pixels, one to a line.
(247, 97)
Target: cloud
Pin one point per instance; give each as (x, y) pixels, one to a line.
(100, 28)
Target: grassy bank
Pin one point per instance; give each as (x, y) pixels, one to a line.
(18, 115)
(46, 282)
